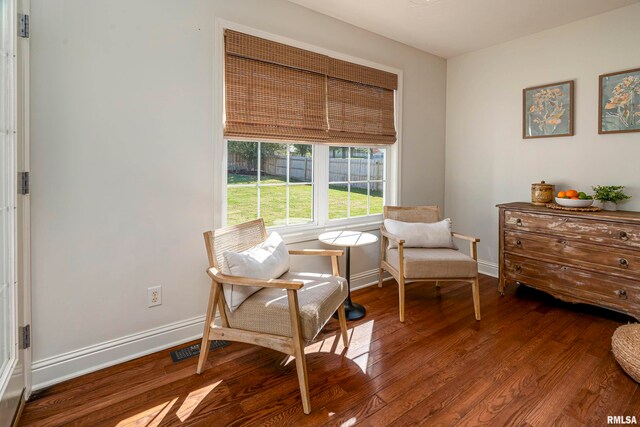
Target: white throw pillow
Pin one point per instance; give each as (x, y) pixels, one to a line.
(268, 260)
(421, 234)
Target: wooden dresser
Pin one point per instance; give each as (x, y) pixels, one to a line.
(586, 257)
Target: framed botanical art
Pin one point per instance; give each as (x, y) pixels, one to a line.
(619, 102)
(547, 110)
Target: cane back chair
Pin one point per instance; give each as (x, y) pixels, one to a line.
(285, 313)
(426, 264)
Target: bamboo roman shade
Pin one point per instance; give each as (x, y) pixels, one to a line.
(279, 92)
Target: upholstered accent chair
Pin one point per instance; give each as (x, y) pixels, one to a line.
(418, 264)
(283, 314)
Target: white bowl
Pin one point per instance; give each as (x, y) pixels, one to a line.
(571, 203)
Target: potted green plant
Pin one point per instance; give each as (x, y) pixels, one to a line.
(610, 196)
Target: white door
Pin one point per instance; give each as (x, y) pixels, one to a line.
(13, 267)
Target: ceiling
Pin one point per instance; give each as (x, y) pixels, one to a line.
(449, 28)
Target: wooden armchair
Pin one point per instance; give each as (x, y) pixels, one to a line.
(283, 314)
(426, 264)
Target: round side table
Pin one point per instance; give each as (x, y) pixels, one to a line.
(349, 239)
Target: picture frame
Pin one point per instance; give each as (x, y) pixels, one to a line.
(619, 102)
(547, 110)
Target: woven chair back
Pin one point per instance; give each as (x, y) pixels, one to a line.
(235, 238)
(413, 213)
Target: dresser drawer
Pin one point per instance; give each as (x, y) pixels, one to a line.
(603, 232)
(621, 262)
(575, 284)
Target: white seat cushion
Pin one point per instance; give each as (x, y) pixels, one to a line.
(427, 263)
(267, 310)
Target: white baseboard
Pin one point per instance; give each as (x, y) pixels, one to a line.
(62, 367)
(488, 268)
(366, 279)
(370, 277)
(53, 370)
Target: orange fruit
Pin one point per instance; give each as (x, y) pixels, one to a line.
(572, 193)
(561, 194)
(575, 198)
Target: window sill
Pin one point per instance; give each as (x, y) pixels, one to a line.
(308, 233)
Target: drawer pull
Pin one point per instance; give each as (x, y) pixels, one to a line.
(518, 269)
(564, 268)
(519, 222)
(624, 263)
(623, 235)
(562, 242)
(518, 243)
(622, 294)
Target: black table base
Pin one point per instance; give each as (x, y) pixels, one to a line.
(353, 310)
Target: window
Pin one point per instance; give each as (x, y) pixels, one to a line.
(279, 183)
(309, 138)
(269, 180)
(356, 181)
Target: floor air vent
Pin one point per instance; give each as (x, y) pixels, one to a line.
(194, 350)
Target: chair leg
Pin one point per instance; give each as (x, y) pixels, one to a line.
(342, 318)
(211, 315)
(475, 288)
(223, 314)
(298, 350)
(401, 297)
(381, 278)
(301, 369)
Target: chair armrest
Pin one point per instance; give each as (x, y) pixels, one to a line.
(465, 237)
(390, 236)
(216, 275)
(473, 247)
(333, 253)
(318, 252)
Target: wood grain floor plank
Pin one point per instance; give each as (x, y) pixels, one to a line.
(602, 394)
(531, 360)
(549, 374)
(448, 401)
(633, 408)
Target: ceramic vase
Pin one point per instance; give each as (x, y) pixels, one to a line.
(609, 206)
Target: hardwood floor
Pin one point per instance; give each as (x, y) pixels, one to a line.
(530, 361)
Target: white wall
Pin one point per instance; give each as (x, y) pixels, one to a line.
(488, 162)
(122, 154)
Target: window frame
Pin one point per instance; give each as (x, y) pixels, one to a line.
(309, 231)
(287, 184)
(349, 182)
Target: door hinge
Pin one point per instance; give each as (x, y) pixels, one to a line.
(23, 26)
(25, 337)
(23, 183)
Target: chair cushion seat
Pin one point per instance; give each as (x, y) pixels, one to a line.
(427, 263)
(267, 310)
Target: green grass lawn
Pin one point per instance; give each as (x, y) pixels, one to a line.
(242, 201)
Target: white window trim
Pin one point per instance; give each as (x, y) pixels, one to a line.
(303, 232)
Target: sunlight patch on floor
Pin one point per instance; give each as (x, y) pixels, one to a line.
(350, 422)
(359, 345)
(193, 400)
(151, 417)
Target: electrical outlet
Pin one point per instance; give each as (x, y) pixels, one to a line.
(154, 296)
